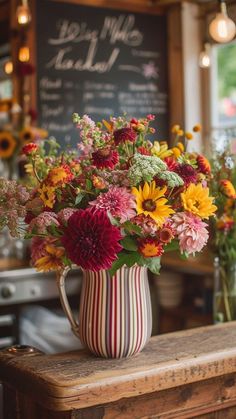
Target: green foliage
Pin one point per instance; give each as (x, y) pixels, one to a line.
(226, 69)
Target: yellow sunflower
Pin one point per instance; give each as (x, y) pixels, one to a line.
(47, 195)
(7, 145)
(150, 201)
(196, 200)
(52, 261)
(27, 135)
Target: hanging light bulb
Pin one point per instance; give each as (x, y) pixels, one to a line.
(24, 54)
(205, 56)
(8, 67)
(23, 13)
(222, 29)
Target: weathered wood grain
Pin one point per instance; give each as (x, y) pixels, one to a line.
(77, 380)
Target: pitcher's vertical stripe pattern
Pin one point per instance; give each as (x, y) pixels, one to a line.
(115, 312)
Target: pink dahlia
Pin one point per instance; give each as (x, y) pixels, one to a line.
(90, 240)
(118, 201)
(187, 173)
(191, 232)
(105, 158)
(124, 134)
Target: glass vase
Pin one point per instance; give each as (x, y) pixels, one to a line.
(224, 304)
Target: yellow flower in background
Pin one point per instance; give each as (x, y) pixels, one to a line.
(188, 136)
(52, 261)
(26, 135)
(150, 201)
(175, 129)
(180, 146)
(180, 133)
(47, 194)
(196, 200)
(161, 150)
(197, 128)
(7, 145)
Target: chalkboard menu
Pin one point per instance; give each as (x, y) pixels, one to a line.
(100, 62)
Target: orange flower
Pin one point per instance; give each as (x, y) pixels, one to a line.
(150, 247)
(203, 164)
(52, 261)
(59, 176)
(227, 188)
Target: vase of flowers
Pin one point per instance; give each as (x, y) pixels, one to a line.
(113, 207)
(224, 236)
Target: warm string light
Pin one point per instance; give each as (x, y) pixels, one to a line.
(8, 67)
(23, 13)
(24, 54)
(222, 29)
(205, 56)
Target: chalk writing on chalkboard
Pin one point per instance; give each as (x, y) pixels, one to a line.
(100, 62)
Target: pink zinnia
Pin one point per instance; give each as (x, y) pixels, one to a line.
(90, 240)
(191, 232)
(118, 201)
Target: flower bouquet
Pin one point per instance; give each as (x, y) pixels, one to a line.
(224, 235)
(113, 208)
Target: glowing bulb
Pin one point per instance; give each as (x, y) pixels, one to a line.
(24, 54)
(23, 14)
(222, 29)
(204, 57)
(8, 67)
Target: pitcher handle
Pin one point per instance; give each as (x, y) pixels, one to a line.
(61, 277)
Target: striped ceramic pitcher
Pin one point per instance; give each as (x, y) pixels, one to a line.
(115, 318)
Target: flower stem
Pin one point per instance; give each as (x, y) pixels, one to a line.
(226, 295)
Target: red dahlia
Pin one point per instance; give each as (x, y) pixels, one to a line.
(124, 134)
(187, 173)
(105, 158)
(90, 240)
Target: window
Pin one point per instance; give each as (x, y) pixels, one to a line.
(223, 96)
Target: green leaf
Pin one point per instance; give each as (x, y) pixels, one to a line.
(124, 258)
(78, 198)
(153, 264)
(174, 245)
(113, 220)
(129, 243)
(89, 184)
(132, 228)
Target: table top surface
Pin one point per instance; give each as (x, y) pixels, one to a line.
(78, 379)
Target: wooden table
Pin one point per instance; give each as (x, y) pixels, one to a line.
(179, 375)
